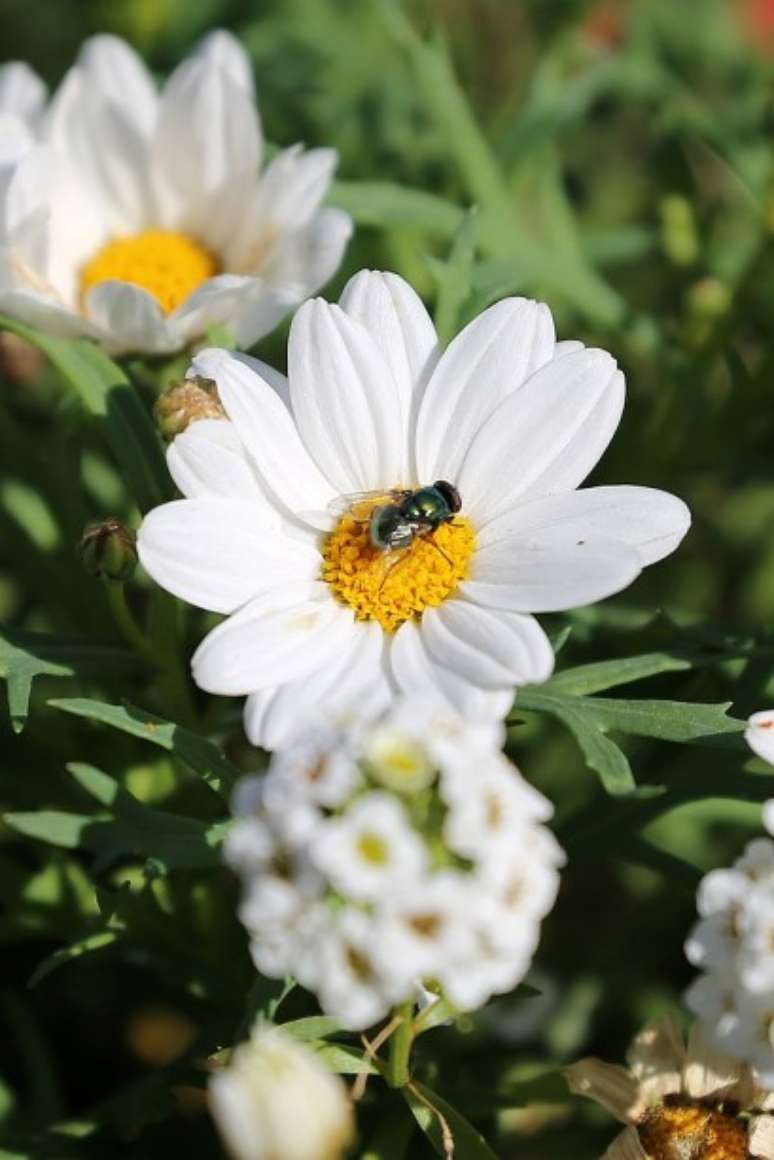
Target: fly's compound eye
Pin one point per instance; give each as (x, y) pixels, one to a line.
(449, 493)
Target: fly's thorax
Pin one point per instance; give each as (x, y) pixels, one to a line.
(426, 505)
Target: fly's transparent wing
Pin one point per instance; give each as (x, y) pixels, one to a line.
(360, 504)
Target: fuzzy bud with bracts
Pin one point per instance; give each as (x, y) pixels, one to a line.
(378, 859)
(184, 403)
(108, 550)
(276, 1101)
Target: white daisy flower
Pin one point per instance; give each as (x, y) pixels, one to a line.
(370, 850)
(508, 420)
(374, 903)
(759, 734)
(140, 219)
(276, 1101)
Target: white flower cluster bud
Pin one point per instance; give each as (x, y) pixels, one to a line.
(733, 944)
(378, 859)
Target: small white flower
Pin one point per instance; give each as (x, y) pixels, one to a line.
(276, 1101)
(140, 220)
(759, 734)
(487, 807)
(364, 899)
(370, 850)
(316, 616)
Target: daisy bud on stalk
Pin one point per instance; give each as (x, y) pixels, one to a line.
(187, 402)
(108, 550)
(378, 859)
(276, 1101)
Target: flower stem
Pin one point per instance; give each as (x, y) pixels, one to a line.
(397, 1073)
(127, 625)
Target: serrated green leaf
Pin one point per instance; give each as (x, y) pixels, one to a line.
(25, 656)
(107, 394)
(601, 754)
(199, 754)
(450, 1134)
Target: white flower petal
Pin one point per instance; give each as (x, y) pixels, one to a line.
(302, 262)
(22, 92)
(491, 649)
(761, 1137)
(205, 146)
(292, 187)
(44, 313)
(486, 362)
(351, 682)
(397, 320)
(115, 73)
(267, 430)
(759, 734)
(223, 49)
(274, 639)
(218, 300)
(544, 438)
(209, 459)
(218, 554)
(129, 318)
(16, 139)
(417, 674)
(549, 574)
(344, 399)
(653, 522)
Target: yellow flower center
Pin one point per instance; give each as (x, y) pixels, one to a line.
(692, 1132)
(393, 587)
(166, 264)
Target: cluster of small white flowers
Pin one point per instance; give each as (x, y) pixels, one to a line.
(733, 942)
(376, 860)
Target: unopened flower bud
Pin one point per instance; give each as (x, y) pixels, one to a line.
(276, 1101)
(108, 550)
(185, 403)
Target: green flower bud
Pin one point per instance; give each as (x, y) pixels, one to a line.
(108, 550)
(185, 403)
(679, 232)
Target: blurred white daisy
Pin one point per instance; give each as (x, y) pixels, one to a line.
(375, 900)
(319, 614)
(140, 219)
(759, 734)
(276, 1101)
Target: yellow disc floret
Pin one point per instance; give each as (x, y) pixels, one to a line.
(393, 587)
(166, 264)
(692, 1132)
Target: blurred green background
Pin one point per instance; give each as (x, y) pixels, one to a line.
(620, 159)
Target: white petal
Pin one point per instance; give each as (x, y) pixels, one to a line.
(129, 318)
(276, 380)
(759, 734)
(22, 92)
(16, 139)
(544, 438)
(26, 217)
(44, 313)
(484, 364)
(209, 459)
(274, 639)
(218, 554)
(549, 574)
(303, 262)
(653, 522)
(416, 673)
(761, 1137)
(344, 398)
(492, 649)
(220, 299)
(267, 430)
(225, 51)
(292, 187)
(114, 72)
(206, 144)
(351, 681)
(626, 1146)
(395, 317)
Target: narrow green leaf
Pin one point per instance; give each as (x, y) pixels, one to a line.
(26, 655)
(199, 754)
(454, 279)
(54, 826)
(594, 678)
(84, 946)
(107, 394)
(664, 720)
(450, 1134)
(601, 754)
(387, 205)
(342, 1059)
(313, 1027)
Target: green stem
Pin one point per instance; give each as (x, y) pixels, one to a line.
(397, 1074)
(127, 625)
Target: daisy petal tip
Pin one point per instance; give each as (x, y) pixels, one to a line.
(759, 735)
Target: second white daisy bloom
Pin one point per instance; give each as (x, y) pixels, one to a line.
(506, 416)
(141, 219)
